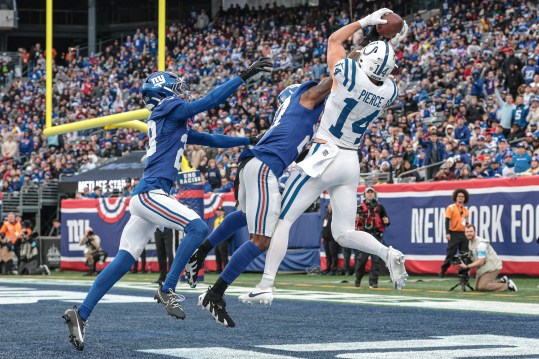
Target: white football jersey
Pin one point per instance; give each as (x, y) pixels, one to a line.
(353, 104)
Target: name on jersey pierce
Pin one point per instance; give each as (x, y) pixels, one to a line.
(370, 98)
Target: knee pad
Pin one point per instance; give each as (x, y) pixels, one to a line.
(197, 228)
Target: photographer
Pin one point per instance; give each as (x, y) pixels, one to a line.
(372, 218)
(93, 252)
(28, 252)
(487, 263)
(456, 216)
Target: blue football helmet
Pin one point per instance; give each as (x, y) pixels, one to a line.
(163, 84)
(286, 93)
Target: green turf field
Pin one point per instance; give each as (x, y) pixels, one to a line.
(418, 286)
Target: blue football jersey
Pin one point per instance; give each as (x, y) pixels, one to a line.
(292, 129)
(167, 137)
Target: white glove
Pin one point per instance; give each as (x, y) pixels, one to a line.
(395, 40)
(375, 18)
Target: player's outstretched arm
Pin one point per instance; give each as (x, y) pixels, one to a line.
(336, 51)
(257, 69)
(317, 94)
(218, 141)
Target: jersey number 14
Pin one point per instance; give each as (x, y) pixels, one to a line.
(358, 126)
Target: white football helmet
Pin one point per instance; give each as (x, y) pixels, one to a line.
(377, 60)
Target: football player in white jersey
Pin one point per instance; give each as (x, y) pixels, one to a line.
(361, 89)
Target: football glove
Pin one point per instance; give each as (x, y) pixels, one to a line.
(255, 139)
(375, 18)
(262, 66)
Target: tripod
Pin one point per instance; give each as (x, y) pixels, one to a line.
(464, 278)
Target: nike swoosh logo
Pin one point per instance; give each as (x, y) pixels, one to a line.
(251, 295)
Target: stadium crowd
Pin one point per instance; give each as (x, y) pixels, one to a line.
(468, 105)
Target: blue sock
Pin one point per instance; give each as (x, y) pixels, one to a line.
(195, 232)
(239, 261)
(230, 225)
(105, 280)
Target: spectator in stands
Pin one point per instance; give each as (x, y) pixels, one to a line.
(69, 170)
(462, 132)
(445, 174)
(487, 263)
(534, 168)
(521, 159)
(10, 148)
(434, 151)
(226, 186)
(213, 175)
(98, 192)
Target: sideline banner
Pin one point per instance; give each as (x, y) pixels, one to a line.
(107, 217)
(504, 211)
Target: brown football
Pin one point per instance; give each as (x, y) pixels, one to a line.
(392, 27)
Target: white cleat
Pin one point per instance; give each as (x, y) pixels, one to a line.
(397, 271)
(258, 295)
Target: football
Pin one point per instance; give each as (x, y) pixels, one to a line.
(392, 27)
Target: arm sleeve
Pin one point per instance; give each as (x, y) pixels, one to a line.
(214, 98)
(499, 98)
(447, 224)
(218, 141)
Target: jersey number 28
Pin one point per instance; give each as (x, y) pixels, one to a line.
(152, 133)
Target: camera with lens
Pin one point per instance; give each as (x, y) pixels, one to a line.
(90, 233)
(464, 257)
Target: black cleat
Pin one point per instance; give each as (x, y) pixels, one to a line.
(171, 301)
(76, 326)
(217, 308)
(195, 264)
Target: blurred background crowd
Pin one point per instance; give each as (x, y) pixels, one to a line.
(468, 105)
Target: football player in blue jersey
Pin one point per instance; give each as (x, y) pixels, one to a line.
(168, 98)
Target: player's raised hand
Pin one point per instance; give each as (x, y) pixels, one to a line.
(396, 40)
(375, 18)
(262, 66)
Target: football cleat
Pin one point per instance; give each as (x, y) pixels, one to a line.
(504, 279)
(397, 271)
(195, 264)
(171, 301)
(258, 295)
(77, 326)
(217, 308)
(512, 286)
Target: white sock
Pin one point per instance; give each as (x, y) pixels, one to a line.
(363, 241)
(276, 253)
